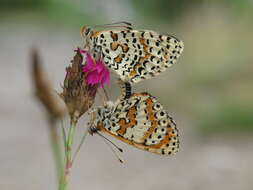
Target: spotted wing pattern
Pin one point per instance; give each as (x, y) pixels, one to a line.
(140, 121)
(136, 55)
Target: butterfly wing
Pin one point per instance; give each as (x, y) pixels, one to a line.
(137, 55)
(142, 122)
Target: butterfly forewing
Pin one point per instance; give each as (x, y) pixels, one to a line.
(136, 55)
(140, 121)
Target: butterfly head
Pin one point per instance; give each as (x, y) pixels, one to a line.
(102, 113)
(86, 31)
(93, 121)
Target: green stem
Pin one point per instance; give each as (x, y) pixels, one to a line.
(55, 144)
(70, 140)
(68, 158)
(81, 143)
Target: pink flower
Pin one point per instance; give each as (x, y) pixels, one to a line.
(81, 51)
(96, 73)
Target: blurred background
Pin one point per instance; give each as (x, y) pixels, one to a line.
(208, 92)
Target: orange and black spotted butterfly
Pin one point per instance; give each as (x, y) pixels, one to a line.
(134, 55)
(140, 121)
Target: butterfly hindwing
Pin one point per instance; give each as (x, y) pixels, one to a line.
(140, 121)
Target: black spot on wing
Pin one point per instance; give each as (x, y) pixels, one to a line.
(140, 69)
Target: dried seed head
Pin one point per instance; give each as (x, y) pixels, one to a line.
(77, 95)
(48, 97)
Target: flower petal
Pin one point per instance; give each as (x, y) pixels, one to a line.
(95, 72)
(92, 78)
(81, 51)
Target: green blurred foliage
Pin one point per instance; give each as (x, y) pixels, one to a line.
(156, 11)
(49, 12)
(164, 9)
(173, 9)
(24, 4)
(227, 119)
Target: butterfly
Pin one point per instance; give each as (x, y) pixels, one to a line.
(134, 55)
(140, 121)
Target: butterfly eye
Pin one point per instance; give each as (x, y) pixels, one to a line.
(87, 31)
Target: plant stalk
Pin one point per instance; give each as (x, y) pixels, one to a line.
(68, 156)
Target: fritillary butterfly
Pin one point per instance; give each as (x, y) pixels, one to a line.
(140, 121)
(134, 55)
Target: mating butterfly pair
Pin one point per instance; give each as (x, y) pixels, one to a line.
(136, 118)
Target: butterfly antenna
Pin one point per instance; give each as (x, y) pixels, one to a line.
(122, 24)
(114, 23)
(115, 153)
(93, 130)
(108, 140)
